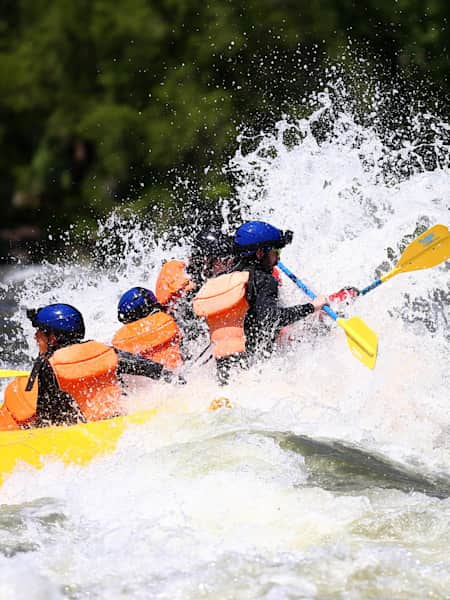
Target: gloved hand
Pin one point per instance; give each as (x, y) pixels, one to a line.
(347, 294)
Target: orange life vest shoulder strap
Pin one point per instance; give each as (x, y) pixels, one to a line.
(172, 282)
(147, 333)
(82, 360)
(88, 372)
(220, 294)
(222, 301)
(156, 337)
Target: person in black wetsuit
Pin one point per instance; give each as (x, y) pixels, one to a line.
(59, 326)
(257, 245)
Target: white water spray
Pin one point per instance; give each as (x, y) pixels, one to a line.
(202, 504)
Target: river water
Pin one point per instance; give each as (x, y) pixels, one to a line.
(323, 479)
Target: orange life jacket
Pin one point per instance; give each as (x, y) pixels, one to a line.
(156, 337)
(19, 406)
(87, 371)
(223, 302)
(172, 282)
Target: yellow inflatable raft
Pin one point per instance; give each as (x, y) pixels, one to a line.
(74, 444)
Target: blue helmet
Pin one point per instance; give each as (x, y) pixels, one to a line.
(253, 235)
(61, 319)
(136, 304)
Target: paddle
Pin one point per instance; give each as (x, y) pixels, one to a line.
(363, 342)
(13, 373)
(428, 250)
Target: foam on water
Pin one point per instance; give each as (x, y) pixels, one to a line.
(201, 511)
(212, 504)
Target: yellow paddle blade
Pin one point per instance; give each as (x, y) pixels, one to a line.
(362, 340)
(13, 373)
(428, 250)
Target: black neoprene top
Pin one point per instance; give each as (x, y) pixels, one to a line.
(265, 316)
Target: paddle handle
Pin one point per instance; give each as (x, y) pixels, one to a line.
(5, 373)
(306, 289)
(370, 287)
(379, 281)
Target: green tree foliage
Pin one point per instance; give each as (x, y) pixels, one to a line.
(105, 103)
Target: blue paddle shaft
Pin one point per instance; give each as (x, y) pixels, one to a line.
(370, 287)
(306, 289)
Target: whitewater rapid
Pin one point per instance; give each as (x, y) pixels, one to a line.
(275, 497)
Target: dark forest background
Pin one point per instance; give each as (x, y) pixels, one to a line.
(109, 104)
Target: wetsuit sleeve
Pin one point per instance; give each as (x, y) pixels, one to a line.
(54, 407)
(133, 364)
(266, 307)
